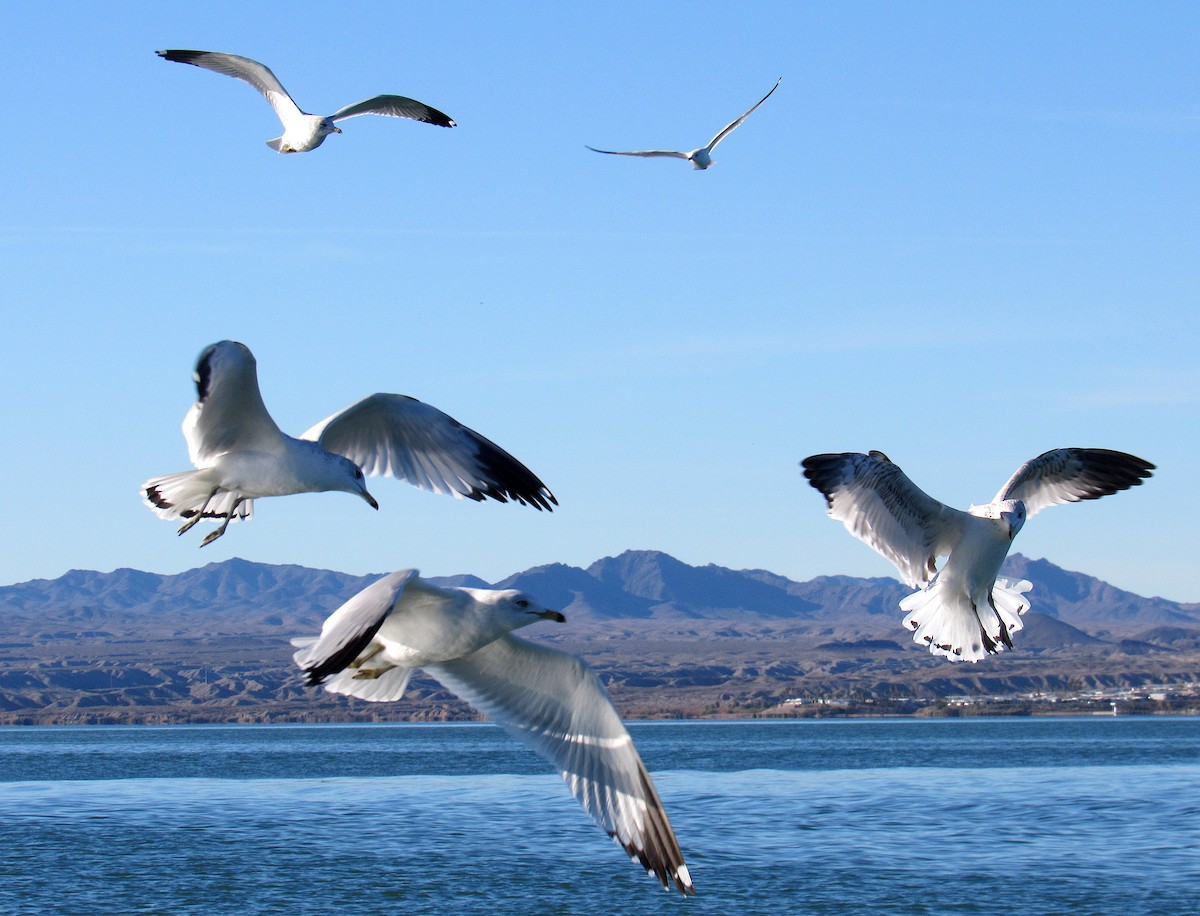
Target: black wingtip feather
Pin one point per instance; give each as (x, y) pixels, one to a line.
(203, 373)
(510, 479)
(180, 56)
(1111, 471)
(661, 855)
(824, 472)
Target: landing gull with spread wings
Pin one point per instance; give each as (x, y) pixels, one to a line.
(548, 699)
(963, 611)
(241, 455)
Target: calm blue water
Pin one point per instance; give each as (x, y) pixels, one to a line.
(1015, 816)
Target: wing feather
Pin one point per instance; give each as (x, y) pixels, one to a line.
(395, 106)
(674, 154)
(728, 128)
(881, 507)
(229, 411)
(553, 702)
(398, 436)
(1068, 475)
(242, 68)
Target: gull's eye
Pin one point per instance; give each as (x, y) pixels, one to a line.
(521, 602)
(358, 474)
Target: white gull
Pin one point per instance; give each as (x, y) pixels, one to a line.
(548, 699)
(241, 455)
(302, 131)
(963, 612)
(699, 158)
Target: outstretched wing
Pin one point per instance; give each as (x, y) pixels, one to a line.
(398, 436)
(881, 507)
(394, 106)
(243, 68)
(350, 629)
(229, 411)
(728, 128)
(553, 702)
(642, 152)
(1069, 475)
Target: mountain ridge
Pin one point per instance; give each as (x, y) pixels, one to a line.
(211, 643)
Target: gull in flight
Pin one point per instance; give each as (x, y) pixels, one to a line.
(963, 612)
(699, 158)
(241, 455)
(548, 699)
(302, 131)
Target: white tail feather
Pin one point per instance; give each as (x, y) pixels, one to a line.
(947, 624)
(184, 494)
(1009, 598)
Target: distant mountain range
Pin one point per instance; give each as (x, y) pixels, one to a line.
(212, 643)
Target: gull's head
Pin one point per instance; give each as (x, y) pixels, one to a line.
(352, 480)
(327, 127)
(1009, 512)
(1013, 512)
(700, 159)
(517, 609)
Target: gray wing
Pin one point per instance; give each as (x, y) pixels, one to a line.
(398, 436)
(553, 702)
(728, 128)
(229, 412)
(243, 68)
(350, 629)
(881, 507)
(395, 106)
(1069, 475)
(643, 152)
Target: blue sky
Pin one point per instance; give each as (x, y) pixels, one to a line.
(959, 233)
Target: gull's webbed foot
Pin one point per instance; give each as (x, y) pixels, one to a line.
(229, 516)
(187, 526)
(213, 535)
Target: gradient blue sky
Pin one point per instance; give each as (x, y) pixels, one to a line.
(959, 233)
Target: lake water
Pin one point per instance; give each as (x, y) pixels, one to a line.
(1088, 817)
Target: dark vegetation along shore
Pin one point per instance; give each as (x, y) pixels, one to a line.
(670, 640)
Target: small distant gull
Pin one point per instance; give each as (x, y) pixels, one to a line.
(302, 131)
(963, 612)
(241, 455)
(548, 699)
(699, 158)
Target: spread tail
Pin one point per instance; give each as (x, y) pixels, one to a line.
(948, 624)
(190, 493)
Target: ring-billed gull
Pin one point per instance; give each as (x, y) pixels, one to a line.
(549, 699)
(241, 455)
(963, 612)
(699, 158)
(302, 131)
